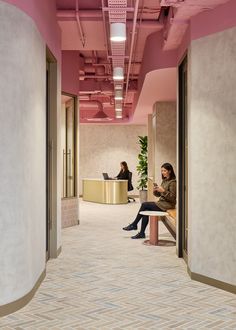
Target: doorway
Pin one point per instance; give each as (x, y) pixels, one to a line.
(183, 162)
(47, 165)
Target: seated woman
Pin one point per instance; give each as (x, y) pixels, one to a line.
(124, 172)
(167, 200)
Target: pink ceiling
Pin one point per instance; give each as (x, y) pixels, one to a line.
(85, 29)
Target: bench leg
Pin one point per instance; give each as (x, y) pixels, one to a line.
(153, 235)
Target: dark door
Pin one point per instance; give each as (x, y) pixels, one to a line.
(47, 165)
(183, 156)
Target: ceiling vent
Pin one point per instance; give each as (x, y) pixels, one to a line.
(100, 115)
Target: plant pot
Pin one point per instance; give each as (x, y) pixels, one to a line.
(143, 196)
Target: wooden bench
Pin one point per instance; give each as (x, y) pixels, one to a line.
(170, 221)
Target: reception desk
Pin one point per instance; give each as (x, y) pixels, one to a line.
(105, 191)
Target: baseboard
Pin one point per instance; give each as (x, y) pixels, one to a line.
(19, 303)
(58, 251)
(211, 281)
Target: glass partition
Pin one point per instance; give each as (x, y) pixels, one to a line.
(68, 146)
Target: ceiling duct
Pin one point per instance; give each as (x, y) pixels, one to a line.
(100, 115)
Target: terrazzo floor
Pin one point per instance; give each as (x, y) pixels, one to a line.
(105, 280)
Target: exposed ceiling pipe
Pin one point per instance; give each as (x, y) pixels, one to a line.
(104, 29)
(132, 45)
(78, 22)
(84, 15)
(62, 13)
(138, 24)
(91, 103)
(92, 76)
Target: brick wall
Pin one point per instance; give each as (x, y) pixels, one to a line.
(69, 212)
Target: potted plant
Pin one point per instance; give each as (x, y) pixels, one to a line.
(142, 168)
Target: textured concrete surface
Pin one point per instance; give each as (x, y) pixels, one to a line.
(102, 148)
(212, 155)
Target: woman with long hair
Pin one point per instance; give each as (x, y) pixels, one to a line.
(167, 200)
(124, 172)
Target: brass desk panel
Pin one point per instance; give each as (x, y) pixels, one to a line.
(105, 191)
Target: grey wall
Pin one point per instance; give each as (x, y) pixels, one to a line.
(212, 156)
(164, 136)
(102, 148)
(22, 154)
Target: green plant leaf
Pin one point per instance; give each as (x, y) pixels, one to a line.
(142, 167)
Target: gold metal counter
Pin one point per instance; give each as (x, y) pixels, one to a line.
(105, 191)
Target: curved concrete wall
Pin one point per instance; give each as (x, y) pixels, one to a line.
(22, 154)
(43, 13)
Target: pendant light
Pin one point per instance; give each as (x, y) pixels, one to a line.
(117, 32)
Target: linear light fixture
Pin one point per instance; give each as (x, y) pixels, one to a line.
(118, 107)
(118, 114)
(117, 32)
(118, 95)
(118, 73)
(118, 86)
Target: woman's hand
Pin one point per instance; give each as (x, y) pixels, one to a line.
(159, 189)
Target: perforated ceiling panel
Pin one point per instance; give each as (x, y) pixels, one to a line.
(117, 15)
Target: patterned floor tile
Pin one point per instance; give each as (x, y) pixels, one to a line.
(105, 280)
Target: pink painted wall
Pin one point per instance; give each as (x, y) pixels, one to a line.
(221, 18)
(43, 12)
(154, 57)
(70, 71)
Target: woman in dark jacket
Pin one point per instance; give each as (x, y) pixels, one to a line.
(124, 172)
(167, 200)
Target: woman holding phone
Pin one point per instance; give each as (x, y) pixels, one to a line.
(167, 200)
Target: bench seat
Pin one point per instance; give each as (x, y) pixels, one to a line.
(170, 222)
